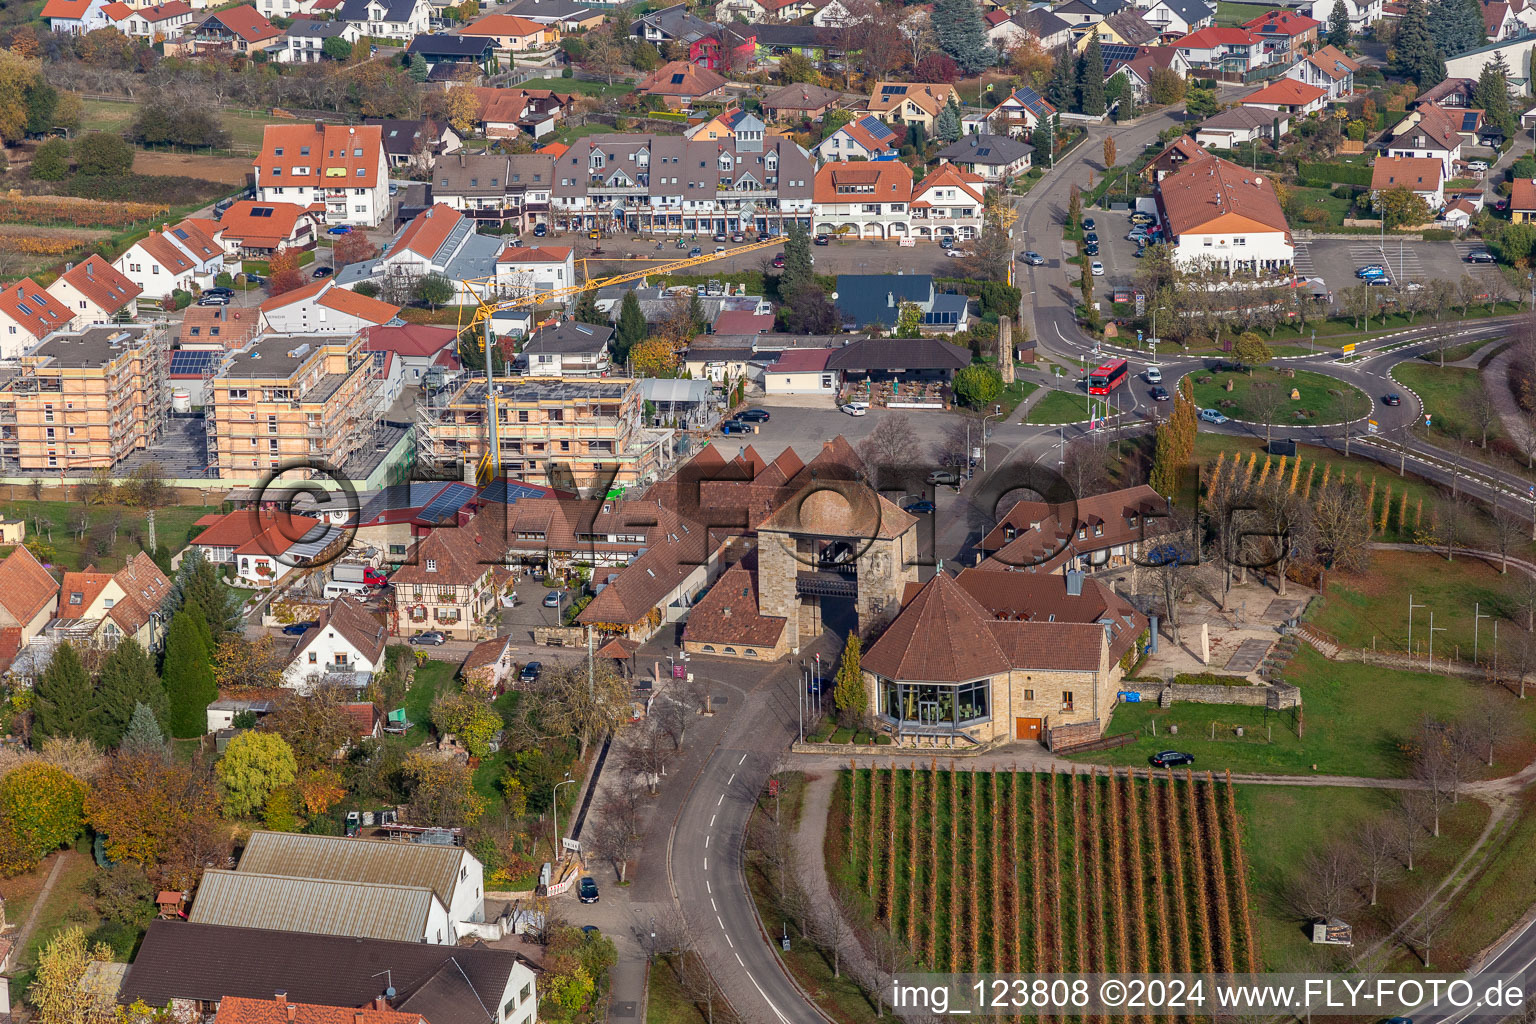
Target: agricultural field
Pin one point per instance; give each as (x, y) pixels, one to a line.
(1017, 872)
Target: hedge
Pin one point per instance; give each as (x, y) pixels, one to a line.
(1336, 174)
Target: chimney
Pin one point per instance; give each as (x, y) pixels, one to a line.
(280, 998)
(319, 125)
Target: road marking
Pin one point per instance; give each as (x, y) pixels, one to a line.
(707, 886)
(760, 992)
(706, 863)
(712, 821)
(728, 940)
(743, 758)
(720, 922)
(738, 956)
(731, 779)
(706, 842)
(712, 905)
(721, 800)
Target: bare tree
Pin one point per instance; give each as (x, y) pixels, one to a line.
(1376, 843)
(1508, 530)
(889, 450)
(1266, 403)
(1432, 766)
(1175, 564)
(953, 448)
(1490, 720)
(1341, 527)
(1483, 412)
(615, 831)
(1408, 825)
(1086, 468)
(674, 711)
(831, 931)
(1525, 657)
(1424, 929)
(1286, 524)
(1326, 884)
(646, 753)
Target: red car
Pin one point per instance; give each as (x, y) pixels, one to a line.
(778, 262)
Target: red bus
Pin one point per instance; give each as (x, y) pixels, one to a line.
(1104, 379)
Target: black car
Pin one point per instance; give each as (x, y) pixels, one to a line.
(1091, 249)
(753, 415)
(1392, 399)
(1159, 394)
(587, 890)
(323, 272)
(823, 240)
(214, 300)
(1090, 237)
(226, 292)
(1088, 224)
(1171, 759)
(540, 230)
(1481, 256)
(298, 628)
(531, 672)
(255, 279)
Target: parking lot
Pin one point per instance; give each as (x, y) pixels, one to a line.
(1116, 252)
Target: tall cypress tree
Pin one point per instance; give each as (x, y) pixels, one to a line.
(631, 329)
(797, 262)
(947, 125)
(1338, 25)
(587, 311)
(127, 681)
(1061, 90)
(188, 672)
(1090, 81)
(63, 698)
(1491, 94)
(198, 581)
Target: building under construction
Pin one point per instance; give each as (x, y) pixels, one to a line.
(289, 398)
(85, 399)
(559, 432)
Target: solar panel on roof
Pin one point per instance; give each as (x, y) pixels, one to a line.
(893, 90)
(877, 129)
(453, 498)
(192, 362)
(1468, 122)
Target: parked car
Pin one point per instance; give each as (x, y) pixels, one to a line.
(394, 189)
(1142, 218)
(214, 300)
(1212, 416)
(1502, 205)
(1159, 394)
(738, 237)
(1392, 398)
(1373, 270)
(229, 292)
(1154, 375)
(553, 598)
(778, 262)
(1171, 758)
(823, 240)
(540, 230)
(1140, 253)
(921, 508)
(730, 427)
(945, 241)
(1477, 165)
(531, 672)
(944, 476)
(339, 229)
(1033, 258)
(856, 408)
(719, 236)
(431, 638)
(587, 890)
(298, 628)
(1091, 249)
(1481, 256)
(754, 416)
(956, 253)
(719, 249)
(1096, 268)
(1090, 236)
(1088, 224)
(322, 272)
(1139, 236)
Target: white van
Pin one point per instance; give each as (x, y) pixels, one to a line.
(1154, 375)
(335, 588)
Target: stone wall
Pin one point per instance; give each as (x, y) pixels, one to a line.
(1274, 696)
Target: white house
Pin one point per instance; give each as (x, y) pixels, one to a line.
(1329, 68)
(1177, 17)
(346, 640)
(1431, 131)
(1517, 58)
(948, 202)
(451, 872)
(570, 349)
(1038, 23)
(28, 314)
(800, 371)
(1421, 175)
(162, 21)
(75, 17)
(325, 307)
(93, 291)
(341, 167)
(388, 19)
(1288, 96)
(993, 158)
(1220, 213)
(1239, 126)
(305, 40)
(183, 257)
(1222, 48)
(868, 138)
(864, 199)
(529, 270)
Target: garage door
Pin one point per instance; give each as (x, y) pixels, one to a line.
(1027, 728)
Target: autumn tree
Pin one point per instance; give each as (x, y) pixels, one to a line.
(464, 109)
(19, 76)
(315, 726)
(353, 247)
(253, 766)
(470, 720)
(159, 813)
(1401, 206)
(56, 991)
(586, 709)
(41, 809)
(654, 357)
(442, 791)
(320, 789)
(1109, 151)
(242, 664)
(849, 695)
(283, 271)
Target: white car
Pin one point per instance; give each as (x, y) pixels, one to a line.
(856, 408)
(1477, 165)
(1096, 268)
(958, 254)
(1154, 375)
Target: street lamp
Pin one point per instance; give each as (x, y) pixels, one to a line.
(554, 805)
(997, 410)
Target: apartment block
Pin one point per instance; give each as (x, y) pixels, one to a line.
(85, 399)
(554, 431)
(290, 398)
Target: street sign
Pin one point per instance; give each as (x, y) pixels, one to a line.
(773, 787)
(1349, 348)
(1371, 425)
(678, 671)
(1426, 420)
(1141, 309)
(574, 845)
(1138, 335)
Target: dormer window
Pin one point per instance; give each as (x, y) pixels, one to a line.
(76, 597)
(431, 565)
(1098, 529)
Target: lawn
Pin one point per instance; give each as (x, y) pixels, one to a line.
(1498, 894)
(1064, 407)
(576, 85)
(1334, 208)
(1373, 609)
(67, 905)
(1449, 393)
(1355, 720)
(1283, 824)
(52, 522)
(1013, 394)
(1237, 14)
(245, 130)
(431, 679)
(1323, 399)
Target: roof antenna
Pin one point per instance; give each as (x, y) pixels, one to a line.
(389, 984)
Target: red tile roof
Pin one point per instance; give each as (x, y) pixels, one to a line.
(892, 182)
(261, 225)
(941, 635)
(241, 1010)
(1215, 195)
(246, 22)
(96, 279)
(1418, 173)
(1286, 92)
(25, 586)
(332, 148)
(78, 589)
(238, 529)
(681, 78)
(427, 231)
(534, 254)
(66, 9)
(418, 340)
(743, 321)
(1217, 35)
(353, 623)
(1282, 23)
(801, 360)
(503, 25)
(33, 309)
(1522, 195)
(728, 614)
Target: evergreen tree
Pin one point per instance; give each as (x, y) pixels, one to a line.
(631, 330)
(696, 312)
(1458, 27)
(127, 681)
(419, 69)
(1090, 79)
(1415, 55)
(189, 682)
(963, 35)
(1491, 94)
(1338, 25)
(1061, 90)
(587, 311)
(62, 696)
(198, 581)
(849, 695)
(917, 137)
(1041, 139)
(947, 125)
(143, 735)
(797, 261)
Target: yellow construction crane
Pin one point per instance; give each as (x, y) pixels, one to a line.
(486, 306)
